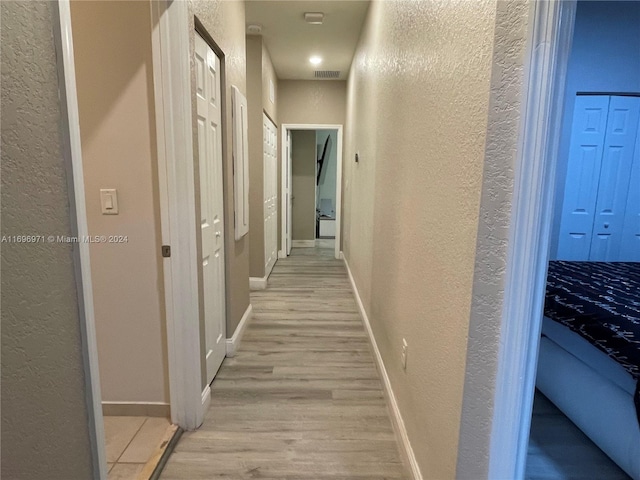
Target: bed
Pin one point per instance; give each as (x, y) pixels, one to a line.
(589, 362)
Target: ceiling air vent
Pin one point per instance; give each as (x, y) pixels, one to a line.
(327, 74)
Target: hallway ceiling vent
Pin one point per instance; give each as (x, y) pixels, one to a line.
(327, 74)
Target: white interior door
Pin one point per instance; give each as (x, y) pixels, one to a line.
(209, 117)
(270, 159)
(289, 193)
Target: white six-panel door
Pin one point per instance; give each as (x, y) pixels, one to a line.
(270, 148)
(209, 118)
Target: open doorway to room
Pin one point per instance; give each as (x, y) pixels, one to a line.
(312, 164)
(114, 83)
(585, 423)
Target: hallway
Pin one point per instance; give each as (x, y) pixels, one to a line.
(302, 398)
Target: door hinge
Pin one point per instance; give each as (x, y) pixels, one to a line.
(166, 251)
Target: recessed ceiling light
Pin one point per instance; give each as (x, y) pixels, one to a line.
(314, 18)
(315, 60)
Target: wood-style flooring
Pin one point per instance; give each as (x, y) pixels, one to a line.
(302, 398)
(558, 450)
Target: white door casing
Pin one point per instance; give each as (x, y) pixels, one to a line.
(209, 120)
(289, 181)
(287, 185)
(70, 123)
(270, 166)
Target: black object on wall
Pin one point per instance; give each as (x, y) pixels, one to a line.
(325, 150)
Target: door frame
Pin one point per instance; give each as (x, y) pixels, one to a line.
(550, 35)
(72, 150)
(287, 127)
(172, 85)
(179, 225)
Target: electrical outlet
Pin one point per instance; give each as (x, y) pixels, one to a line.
(405, 351)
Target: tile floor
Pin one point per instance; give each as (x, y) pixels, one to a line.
(130, 442)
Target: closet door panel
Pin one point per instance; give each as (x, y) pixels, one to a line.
(583, 171)
(630, 244)
(614, 178)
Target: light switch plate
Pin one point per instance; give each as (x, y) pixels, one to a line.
(109, 201)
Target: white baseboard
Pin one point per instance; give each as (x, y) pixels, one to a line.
(257, 283)
(234, 342)
(206, 401)
(396, 417)
(282, 254)
(303, 243)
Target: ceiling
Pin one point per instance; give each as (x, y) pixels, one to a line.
(291, 41)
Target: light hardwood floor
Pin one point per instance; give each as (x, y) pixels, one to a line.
(558, 450)
(302, 398)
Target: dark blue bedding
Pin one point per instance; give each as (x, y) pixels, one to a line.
(600, 302)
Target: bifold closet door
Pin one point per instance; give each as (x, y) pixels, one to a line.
(583, 174)
(615, 172)
(630, 245)
(598, 186)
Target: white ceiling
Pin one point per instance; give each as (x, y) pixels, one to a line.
(291, 41)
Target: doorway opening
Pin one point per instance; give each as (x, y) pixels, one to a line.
(538, 172)
(312, 187)
(120, 185)
(587, 369)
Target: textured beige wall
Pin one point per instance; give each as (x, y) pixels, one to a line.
(269, 75)
(303, 174)
(503, 130)
(224, 22)
(418, 98)
(260, 72)
(256, 163)
(114, 73)
(45, 432)
(312, 101)
(308, 101)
